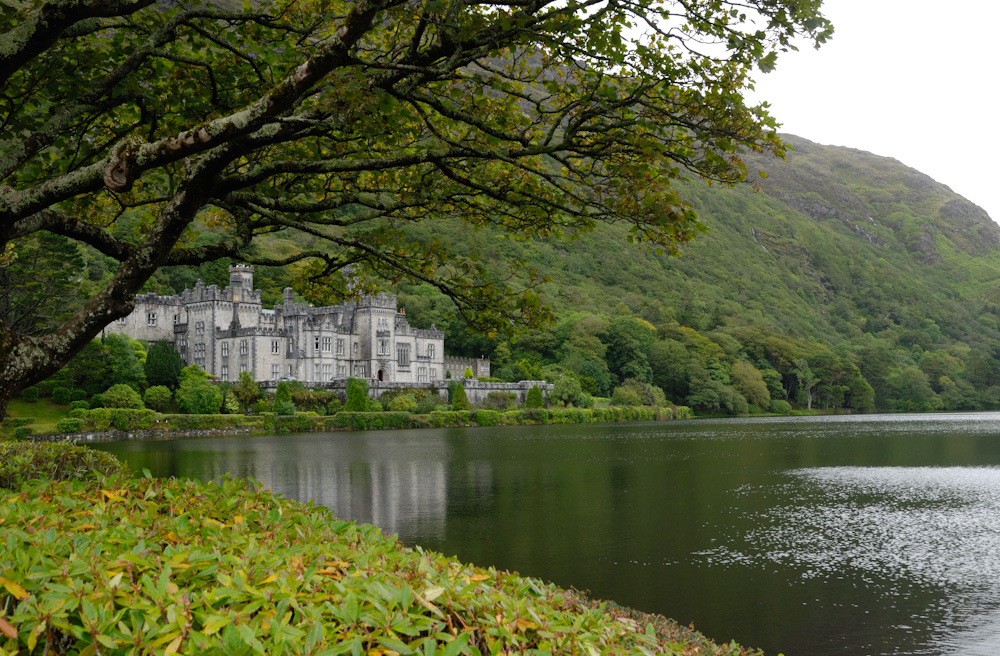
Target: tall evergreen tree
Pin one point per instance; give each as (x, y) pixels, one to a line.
(163, 365)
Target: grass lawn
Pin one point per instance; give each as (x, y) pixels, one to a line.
(45, 412)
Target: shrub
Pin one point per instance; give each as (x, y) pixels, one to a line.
(459, 401)
(468, 372)
(122, 396)
(30, 394)
(780, 406)
(61, 395)
(197, 396)
(402, 403)
(334, 406)
(284, 408)
(118, 418)
(534, 398)
(158, 397)
(626, 396)
(97, 401)
(69, 425)
(357, 395)
(487, 417)
(500, 401)
(79, 405)
(429, 403)
(78, 394)
(56, 461)
(21, 432)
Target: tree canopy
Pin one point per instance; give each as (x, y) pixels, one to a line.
(159, 134)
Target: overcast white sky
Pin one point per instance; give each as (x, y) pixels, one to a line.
(915, 80)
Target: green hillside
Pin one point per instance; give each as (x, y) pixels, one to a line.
(836, 254)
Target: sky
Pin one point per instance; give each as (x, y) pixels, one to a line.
(914, 80)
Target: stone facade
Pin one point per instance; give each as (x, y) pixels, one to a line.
(226, 331)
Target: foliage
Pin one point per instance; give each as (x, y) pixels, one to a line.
(69, 425)
(83, 405)
(55, 461)
(197, 395)
(780, 406)
(468, 373)
(566, 390)
(357, 395)
(122, 396)
(158, 398)
(61, 395)
(163, 365)
(534, 398)
(123, 419)
(247, 391)
(459, 401)
(30, 394)
(500, 401)
(402, 403)
(112, 360)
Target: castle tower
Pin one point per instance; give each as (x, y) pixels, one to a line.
(241, 278)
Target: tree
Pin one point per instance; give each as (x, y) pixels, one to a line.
(197, 396)
(122, 396)
(246, 390)
(807, 380)
(357, 395)
(283, 404)
(165, 134)
(534, 398)
(158, 397)
(163, 365)
(459, 400)
(748, 381)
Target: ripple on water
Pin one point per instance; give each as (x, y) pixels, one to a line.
(894, 528)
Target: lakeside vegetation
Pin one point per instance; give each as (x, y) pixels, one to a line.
(100, 562)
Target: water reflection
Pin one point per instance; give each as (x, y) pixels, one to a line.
(398, 485)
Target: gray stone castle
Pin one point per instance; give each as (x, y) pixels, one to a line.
(226, 331)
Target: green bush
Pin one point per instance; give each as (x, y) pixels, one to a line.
(78, 405)
(78, 395)
(118, 418)
(780, 406)
(122, 396)
(534, 398)
(487, 417)
(57, 461)
(21, 432)
(97, 401)
(69, 425)
(357, 395)
(459, 401)
(216, 421)
(334, 406)
(284, 408)
(402, 403)
(61, 395)
(14, 422)
(158, 397)
(30, 394)
(197, 396)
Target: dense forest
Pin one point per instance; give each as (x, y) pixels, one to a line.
(839, 280)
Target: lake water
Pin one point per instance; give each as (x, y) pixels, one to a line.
(807, 536)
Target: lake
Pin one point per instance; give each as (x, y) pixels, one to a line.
(808, 536)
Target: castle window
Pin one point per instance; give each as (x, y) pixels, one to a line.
(403, 355)
(434, 373)
(290, 370)
(225, 349)
(355, 348)
(327, 344)
(383, 346)
(316, 371)
(244, 347)
(225, 372)
(275, 347)
(341, 369)
(359, 369)
(177, 318)
(150, 318)
(123, 320)
(340, 347)
(243, 368)
(430, 351)
(275, 371)
(421, 374)
(327, 371)
(199, 328)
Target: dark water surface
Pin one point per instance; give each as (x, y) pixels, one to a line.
(807, 536)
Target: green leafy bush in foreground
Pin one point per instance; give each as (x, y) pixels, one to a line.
(136, 566)
(57, 461)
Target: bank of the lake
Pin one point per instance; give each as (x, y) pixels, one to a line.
(117, 564)
(109, 424)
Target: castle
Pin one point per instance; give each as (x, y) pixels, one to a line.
(227, 331)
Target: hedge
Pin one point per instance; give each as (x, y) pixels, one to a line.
(69, 425)
(102, 419)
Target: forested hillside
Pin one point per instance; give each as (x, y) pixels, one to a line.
(841, 270)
